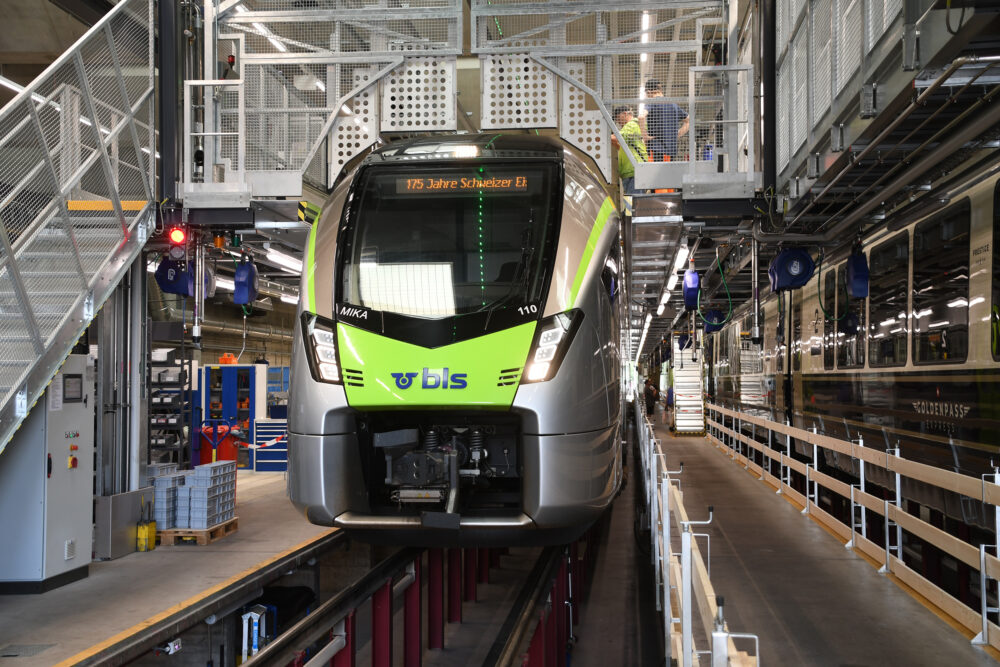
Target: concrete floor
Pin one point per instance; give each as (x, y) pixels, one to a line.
(121, 593)
(786, 579)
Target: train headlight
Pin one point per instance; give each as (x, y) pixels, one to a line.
(321, 346)
(552, 339)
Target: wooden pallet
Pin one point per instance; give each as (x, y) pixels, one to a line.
(174, 536)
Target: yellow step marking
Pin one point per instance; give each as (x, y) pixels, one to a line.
(104, 204)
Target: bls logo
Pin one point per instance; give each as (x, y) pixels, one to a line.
(432, 379)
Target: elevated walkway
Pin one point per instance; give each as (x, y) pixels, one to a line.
(810, 600)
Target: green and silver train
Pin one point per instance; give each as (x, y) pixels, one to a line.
(456, 369)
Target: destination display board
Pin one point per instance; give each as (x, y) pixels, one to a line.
(458, 184)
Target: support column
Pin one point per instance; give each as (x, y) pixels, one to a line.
(484, 566)
(412, 648)
(471, 560)
(435, 598)
(454, 585)
(382, 626)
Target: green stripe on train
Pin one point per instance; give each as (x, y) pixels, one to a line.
(310, 269)
(595, 234)
(489, 367)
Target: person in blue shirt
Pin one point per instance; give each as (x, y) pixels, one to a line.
(664, 124)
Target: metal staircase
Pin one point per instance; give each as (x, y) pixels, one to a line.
(77, 151)
(689, 392)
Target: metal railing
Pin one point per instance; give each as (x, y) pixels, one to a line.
(320, 85)
(77, 151)
(682, 578)
(895, 519)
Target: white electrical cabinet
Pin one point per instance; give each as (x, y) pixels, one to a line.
(47, 487)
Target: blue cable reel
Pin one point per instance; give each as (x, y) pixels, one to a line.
(175, 276)
(790, 269)
(245, 283)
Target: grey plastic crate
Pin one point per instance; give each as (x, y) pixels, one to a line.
(171, 480)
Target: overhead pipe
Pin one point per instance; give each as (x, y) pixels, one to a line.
(199, 293)
(162, 311)
(974, 128)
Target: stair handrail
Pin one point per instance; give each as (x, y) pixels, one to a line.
(77, 169)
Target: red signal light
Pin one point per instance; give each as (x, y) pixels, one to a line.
(177, 235)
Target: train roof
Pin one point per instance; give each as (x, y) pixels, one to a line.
(463, 146)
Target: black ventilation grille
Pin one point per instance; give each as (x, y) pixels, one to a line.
(353, 378)
(509, 376)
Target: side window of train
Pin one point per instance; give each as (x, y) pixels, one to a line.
(796, 337)
(941, 287)
(889, 266)
(829, 325)
(780, 339)
(995, 303)
(609, 274)
(850, 326)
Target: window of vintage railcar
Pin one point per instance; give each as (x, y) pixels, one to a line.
(780, 339)
(995, 304)
(887, 292)
(829, 325)
(941, 287)
(796, 340)
(850, 329)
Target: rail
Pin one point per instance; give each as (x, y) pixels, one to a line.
(77, 149)
(682, 577)
(209, 608)
(335, 618)
(538, 627)
(895, 520)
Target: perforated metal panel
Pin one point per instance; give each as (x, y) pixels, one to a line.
(800, 88)
(420, 95)
(797, 7)
(879, 15)
(893, 8)
(517, 92)
(585, 129)
(354, 134)
(820, 67)
(782, 10)
(848, 41)
(781, 107)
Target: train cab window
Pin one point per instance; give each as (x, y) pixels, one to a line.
(850, 326)
(995, 303)
(941, 287)
(444, 241)
(887, 328)
(829, 326)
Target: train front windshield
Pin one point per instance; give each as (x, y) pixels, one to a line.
(436, 242)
